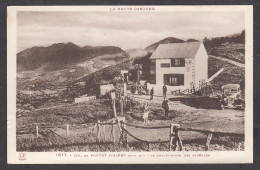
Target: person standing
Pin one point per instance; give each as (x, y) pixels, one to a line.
(151, 93)
(165, 106)
(146, 113)
(164, 90)
(146, 107)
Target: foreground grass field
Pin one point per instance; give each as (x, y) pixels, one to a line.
(82, 135)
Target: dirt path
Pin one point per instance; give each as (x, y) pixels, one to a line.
(229, 61)
(221, 120)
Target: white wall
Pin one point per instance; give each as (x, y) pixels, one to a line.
(201, 65)
(160, 71)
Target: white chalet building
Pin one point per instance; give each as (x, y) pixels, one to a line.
(178, 65)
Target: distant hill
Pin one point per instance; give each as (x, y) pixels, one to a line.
(238, 38)
(61, 54)
(192, 40)
(167, 40)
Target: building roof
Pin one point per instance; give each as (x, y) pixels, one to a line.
(176, 50)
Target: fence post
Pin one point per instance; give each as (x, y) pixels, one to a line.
(114, 107)
(171, 137)
(120, 120)
(98, 131)
(37, 131)
(177, 136)
(67, 130)
(125, 137)
(104, 133)
(177, 140)
(209, 137)
(112, 136)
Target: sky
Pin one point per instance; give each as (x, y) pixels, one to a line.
(122, 29)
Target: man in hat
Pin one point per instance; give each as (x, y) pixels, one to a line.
(164, 90)
(165, 106)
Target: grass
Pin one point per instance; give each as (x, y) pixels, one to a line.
(81, 138)
(231, 73)
(66, 114)
(87, 143)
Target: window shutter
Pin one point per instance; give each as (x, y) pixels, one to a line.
(172, 62)
(181, 78)
(166, 79)
(183, 62)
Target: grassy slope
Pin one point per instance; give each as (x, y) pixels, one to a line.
(235, 52)
(231, 73)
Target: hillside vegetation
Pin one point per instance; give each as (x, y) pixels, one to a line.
(231, 47)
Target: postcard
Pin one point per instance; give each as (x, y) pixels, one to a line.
(130, 84)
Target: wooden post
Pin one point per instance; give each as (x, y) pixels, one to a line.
(67, 130)
(98, 131)
(122, 105)
(177, 141)
(120, 120)
(125, 137)
(37, 131)
(124, 88)
(177, 136)
(171, 137)
(209, 137)
(112, 137)
(114, 107)
(104, 133)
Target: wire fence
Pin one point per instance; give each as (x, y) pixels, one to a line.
(174, 140)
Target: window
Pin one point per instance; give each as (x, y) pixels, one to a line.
(165, 65)
(174, 79)
(178, 62)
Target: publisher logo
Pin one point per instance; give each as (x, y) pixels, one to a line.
(22, 156)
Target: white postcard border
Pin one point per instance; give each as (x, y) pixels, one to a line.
(111, 158)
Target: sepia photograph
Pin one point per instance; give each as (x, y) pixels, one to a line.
(120, 82)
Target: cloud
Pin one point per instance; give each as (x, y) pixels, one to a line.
(122, 29)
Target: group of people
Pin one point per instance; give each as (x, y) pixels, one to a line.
(124, 103)
(146, 111)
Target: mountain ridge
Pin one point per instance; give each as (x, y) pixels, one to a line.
(61, 54)
(167, 40)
